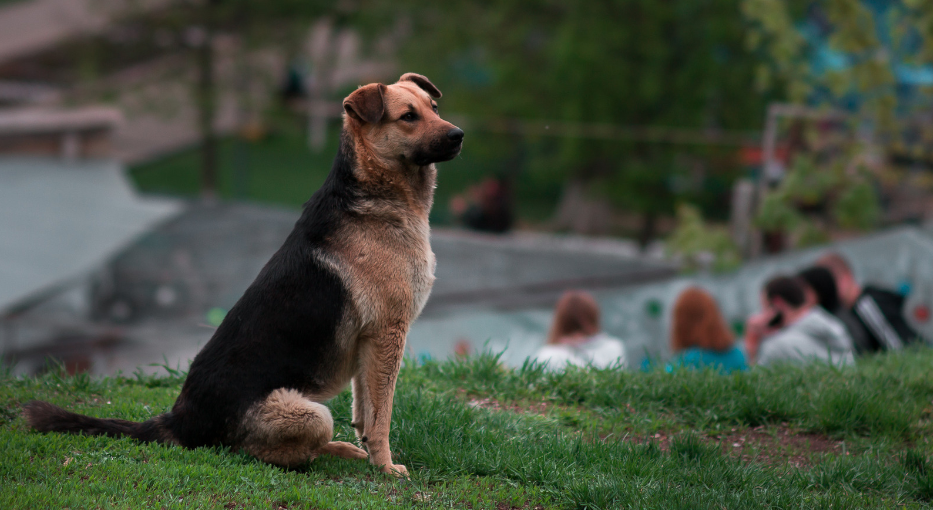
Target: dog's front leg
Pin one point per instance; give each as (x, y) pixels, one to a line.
(379, 373)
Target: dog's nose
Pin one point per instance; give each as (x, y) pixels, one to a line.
(455, 134)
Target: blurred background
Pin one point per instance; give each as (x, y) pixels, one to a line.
(154, 153)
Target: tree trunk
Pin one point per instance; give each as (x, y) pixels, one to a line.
(648, 229)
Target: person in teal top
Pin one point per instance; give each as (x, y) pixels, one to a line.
(697, 358)
(700, 338)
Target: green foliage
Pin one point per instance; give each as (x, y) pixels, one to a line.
(773, 33)
(777, 214)
(809, 234)
(812, 198)
(868, 73)
(865, 81)
(857, 207)
(807, 184)
(620, 63)
(693, 239)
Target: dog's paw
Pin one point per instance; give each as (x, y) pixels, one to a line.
(344, 450)
(396, 470)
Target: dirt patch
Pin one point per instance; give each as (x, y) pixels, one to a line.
(777, 445)
(771, 446)
(540, 408)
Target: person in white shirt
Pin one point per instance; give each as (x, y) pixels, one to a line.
(792, 328)
(576, 339)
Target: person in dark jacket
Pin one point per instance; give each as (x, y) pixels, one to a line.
(822, 284)
(873, 316)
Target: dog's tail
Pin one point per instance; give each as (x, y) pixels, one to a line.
(45, 417)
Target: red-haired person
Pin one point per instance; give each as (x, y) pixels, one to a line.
(576, 337)
(700, 337)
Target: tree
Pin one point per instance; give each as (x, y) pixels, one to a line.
(679, 64)
(869, 42)
(701, 246)
(871, 38)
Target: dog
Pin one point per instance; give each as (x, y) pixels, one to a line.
(332, 307)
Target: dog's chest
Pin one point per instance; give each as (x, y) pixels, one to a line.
(422, 279)
(417, 263)
(390, 273)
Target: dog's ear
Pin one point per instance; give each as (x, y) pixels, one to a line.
(366, 103)
(423, 82)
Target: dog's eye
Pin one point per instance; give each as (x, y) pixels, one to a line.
(434, 107)
(408, 117)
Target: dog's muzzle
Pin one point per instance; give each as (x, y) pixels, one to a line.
(455, 138)
(444, 148)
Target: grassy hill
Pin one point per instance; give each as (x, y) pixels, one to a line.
(477, 435)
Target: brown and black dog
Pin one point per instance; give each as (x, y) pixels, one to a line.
(332, 306)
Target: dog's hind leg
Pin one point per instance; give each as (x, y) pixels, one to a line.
(344, 450)
(287, 429)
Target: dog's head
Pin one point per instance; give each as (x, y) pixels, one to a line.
(399, 122)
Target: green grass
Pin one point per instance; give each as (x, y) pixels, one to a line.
(592, 447)
(281, 169)
(838, 402)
